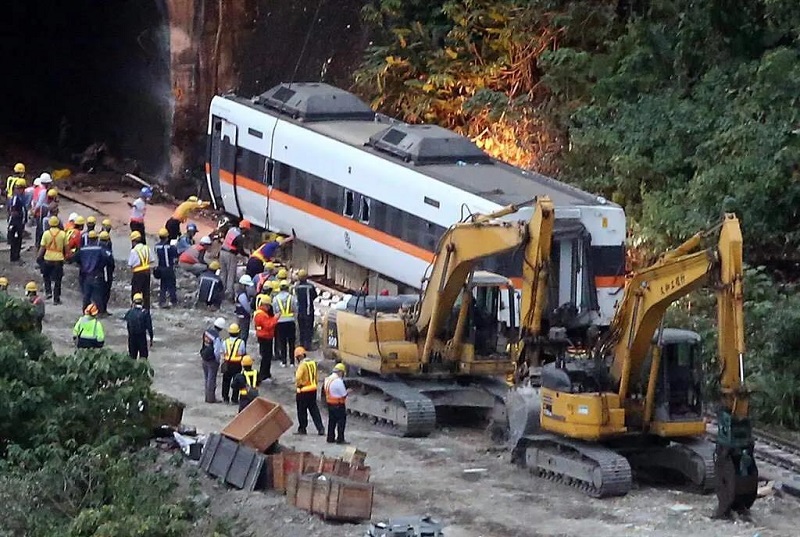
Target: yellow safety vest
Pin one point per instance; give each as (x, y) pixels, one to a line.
(311, 366)
(144, 258)
(232, 350)
(250, 377)
(286, 311)
(261, 298)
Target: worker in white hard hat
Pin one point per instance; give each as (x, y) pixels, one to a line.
(212, 352)
(244, 305)
(193, 258)
(336, 397)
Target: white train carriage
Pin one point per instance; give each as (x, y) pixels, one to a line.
(366, 195)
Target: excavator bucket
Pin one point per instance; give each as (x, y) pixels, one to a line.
(737, 481)
(522, 411)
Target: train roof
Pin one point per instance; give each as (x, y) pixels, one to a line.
(475, 172)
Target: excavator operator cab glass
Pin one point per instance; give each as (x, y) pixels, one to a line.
(680, 378)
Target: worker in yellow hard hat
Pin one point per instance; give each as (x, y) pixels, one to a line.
(335, 397)
(305, 294)
(32, 296)
(264, 253)
(104, 241)
(52, 254)
(246, 383)
(140, 260)
(181, 215)
(11, 182)
(17, 217)
(167, 256)
(306, 397)
(140, 326)
(3, 286)
(74, 235)
(235, 349)
(285, 307)
(210, 289)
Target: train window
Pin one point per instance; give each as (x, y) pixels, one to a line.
(378, 215)
(316, 189)
(394, 221)
(253, 132)
(365, 201)
(299, 186)
(349, 204)
(332, 196)
(280, 177)
(412, 229)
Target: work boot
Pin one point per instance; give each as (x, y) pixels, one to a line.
(342, 442)
(300, 432)
(320, 433)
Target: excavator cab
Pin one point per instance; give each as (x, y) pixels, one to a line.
(678, 396)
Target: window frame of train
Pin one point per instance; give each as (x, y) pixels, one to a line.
(365, 210)
(349, 203)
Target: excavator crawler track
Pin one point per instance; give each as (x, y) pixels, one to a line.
(590, 468)
(399, 408)
(693, 459)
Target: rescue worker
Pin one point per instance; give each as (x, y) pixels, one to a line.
(263, 254)
(265, 320)
(167, 256)
(74, 237)
(108, 270)
(193, 259)
(232, 247)
(212, 352)
(43, 210)
(285, 333)
(335, 398)
(139, 260)
(264, 297)
(45, 182)
(3, 286)
(210, 289)
(88, 332)
(306, 397)
(91, 224)
(305, 294)
(91, 259)
(244, 307)
(138, 211)
(32, 195)
(187, 239)
(260, 279)
(32, 295)
(235, 349)
(11, 182)
(181, 215)
(140, 326)
(245, 383)
(17, 216)
(52, 253)
(106, 226)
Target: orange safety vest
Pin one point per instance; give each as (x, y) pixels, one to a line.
(56, 252)
(311, 367)
(229, 238)
(144, 258)
(327, 387)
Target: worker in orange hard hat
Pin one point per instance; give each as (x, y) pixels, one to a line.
(232, 247)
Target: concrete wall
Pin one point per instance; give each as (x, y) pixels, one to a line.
(248, 46)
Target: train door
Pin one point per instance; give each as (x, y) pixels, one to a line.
(229, 152)
(213, 159)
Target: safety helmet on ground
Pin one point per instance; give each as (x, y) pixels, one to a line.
(104, 236)
(19, 167)
(3, 282)
(214, 265)
(283, 274)
(192, 198)
(191, 227)
(299, 352)
(31, 287)
(284, 284)
(302, 274)
(163, 233)
(93, 234)
(20, 183)
(45, 178)
(233, 329)
(72, 217)
(138, 298)
(219, 323)
(339, 367)
(80, 221)
(205, 240)
(92, 220)
(53, 221)
(246, 280)
(247, 361)
(107, 223)
(245, 224)
(91, 309)
(136, 236)
(52, 193)
(37, 181)
(146, 192)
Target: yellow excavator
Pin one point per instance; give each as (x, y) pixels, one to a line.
(635, 399)
(446, 353)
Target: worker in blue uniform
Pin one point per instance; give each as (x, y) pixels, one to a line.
(92, 260)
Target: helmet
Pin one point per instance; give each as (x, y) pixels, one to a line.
(233, 329)
(219, 323)
(104, 236)
(53, 221)
(93, 234)
(192, 226)
(246, 280)
(80, 221)
(192, 198)
(31, 287)
(52, 193)
(3, 282)
(107, 223)
(302, 274)
(146, 192)
(72, 217)
(269, 265)
(92, 220)
(163, 233)
(19, 167)
(245, 224)
(37, 182)
(45, 178)
(339, 367)
(20, 183)
(283, 274)
(138, 298)
(136, 236)
(205, 240)
(284, 283)
(299, 352)
(91, 309)
(214, 265)
(247, 360)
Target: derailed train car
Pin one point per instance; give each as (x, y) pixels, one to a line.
(366, 195)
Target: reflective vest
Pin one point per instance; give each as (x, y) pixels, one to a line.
(285, 307)
(311, 369)
(232, 348)
(249, 377)
(326, 386)
(263, 298)
(12, 179)
(144, 258)
(229, 238)
(54, 240)
(191, 255)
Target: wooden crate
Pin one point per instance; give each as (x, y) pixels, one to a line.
(354, 456)
(335, 498)
(259, 425)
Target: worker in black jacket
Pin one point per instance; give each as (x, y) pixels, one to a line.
(305, 294)
(165, 272)
(108, 271)
(140, 326)
(211, 290)
(246, 382)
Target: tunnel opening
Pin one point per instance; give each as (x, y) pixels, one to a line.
(87, 72)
